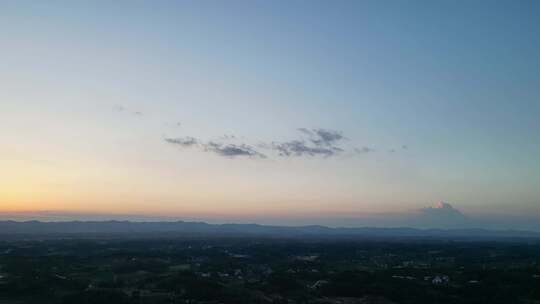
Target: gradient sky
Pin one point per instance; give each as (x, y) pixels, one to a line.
(436, 100)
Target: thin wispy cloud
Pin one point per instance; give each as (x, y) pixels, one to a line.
(185, 142)
(233, 150)
(326, 137)
(364, 150)
(322, 137)
(402, 148)
(316, 142)
(319, 142)
(124, 109)
(222, 149)
(300, 148)
(177, 124)
(228, 137)
(311, 142)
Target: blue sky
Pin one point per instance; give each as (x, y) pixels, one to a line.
(442, 95)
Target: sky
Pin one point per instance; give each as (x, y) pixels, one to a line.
(270, 111)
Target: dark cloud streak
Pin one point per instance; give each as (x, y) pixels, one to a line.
(232, 150)
(312, 143)
(322, 142)
(326, 137)
(300, 148)
(183, 141)
(221, 149)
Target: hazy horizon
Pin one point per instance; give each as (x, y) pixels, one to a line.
(308, 112)
(440, 216)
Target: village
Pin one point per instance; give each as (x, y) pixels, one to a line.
(269, 271)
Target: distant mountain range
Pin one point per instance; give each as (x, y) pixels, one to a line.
(438, 219)
(125, 228)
